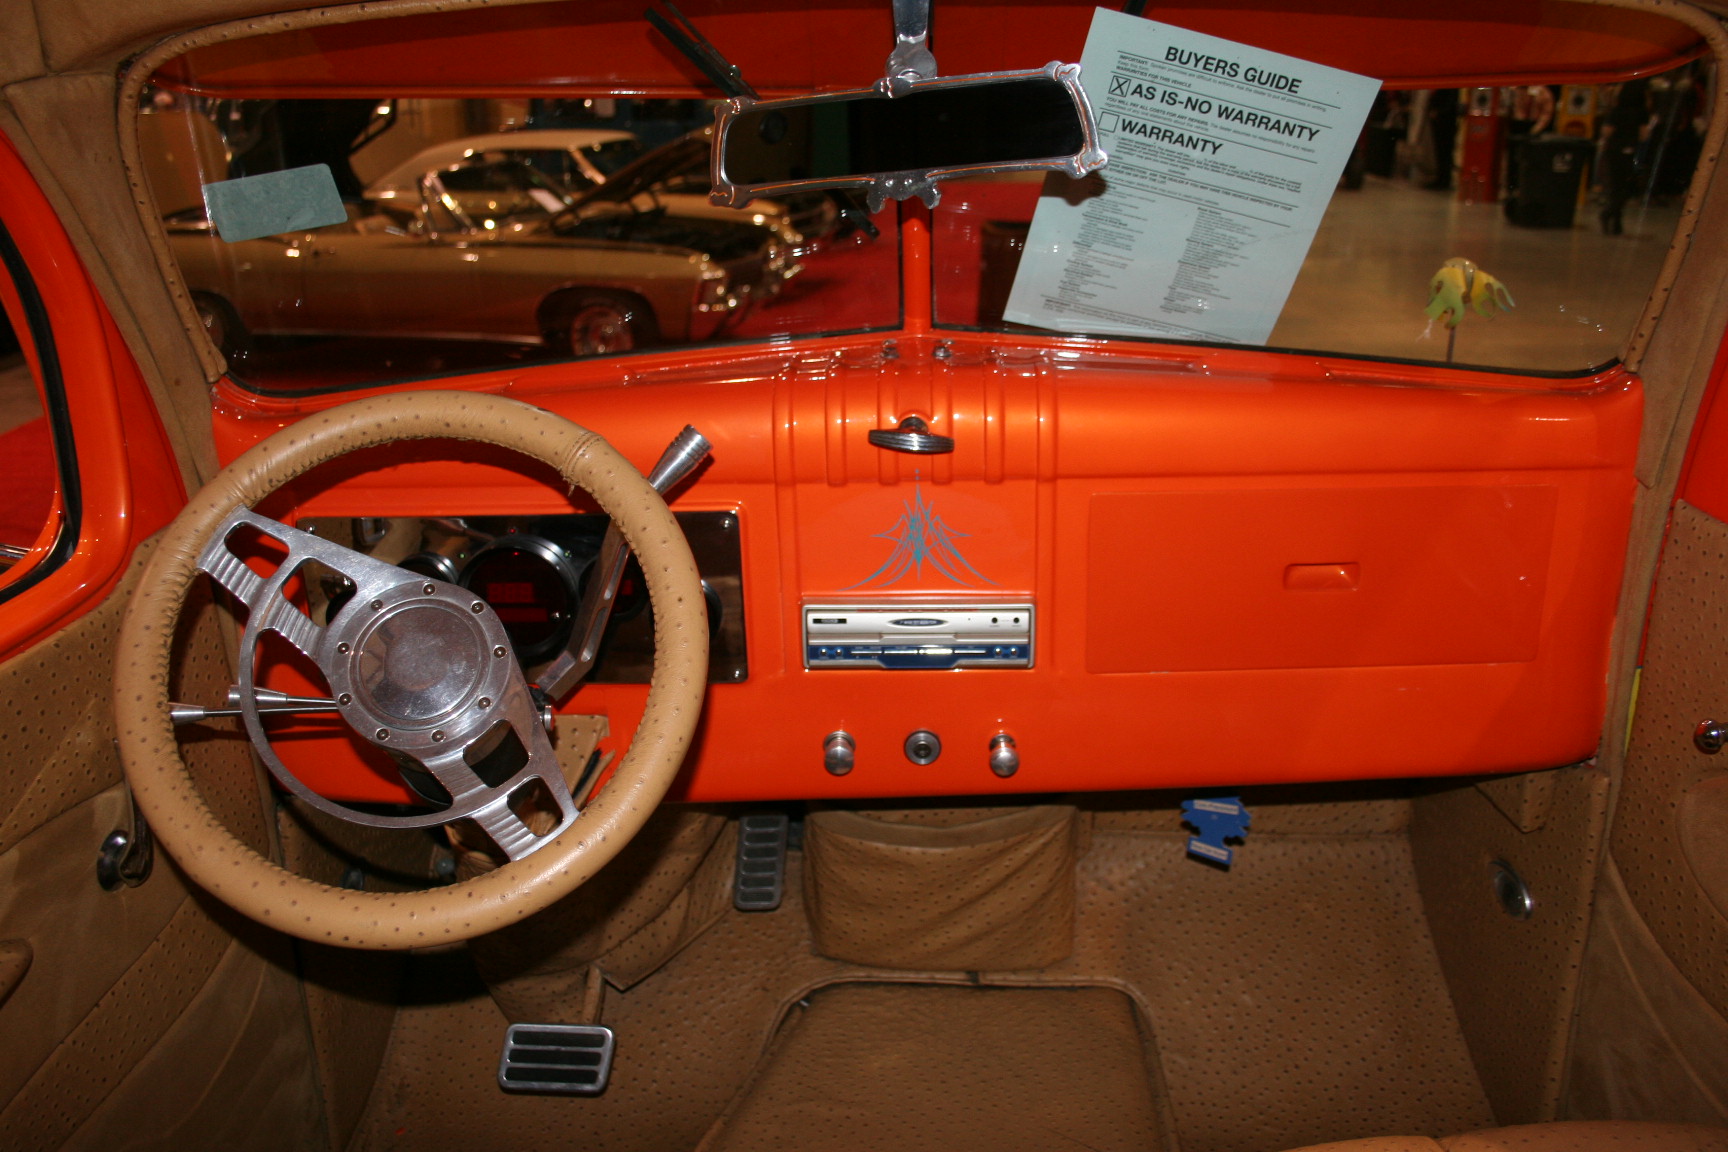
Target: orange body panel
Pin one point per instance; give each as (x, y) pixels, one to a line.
(1247, 566)
(128, 482)
(1705, 482)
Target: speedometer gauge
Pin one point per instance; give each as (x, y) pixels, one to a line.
(433, 564)
(532, 585)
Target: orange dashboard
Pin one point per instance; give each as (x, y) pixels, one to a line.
(1237, 566)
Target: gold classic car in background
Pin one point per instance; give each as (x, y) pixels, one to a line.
(382, 274)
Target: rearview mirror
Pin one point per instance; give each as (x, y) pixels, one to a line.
(899, 137)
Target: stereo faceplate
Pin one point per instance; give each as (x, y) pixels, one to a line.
(905, 637)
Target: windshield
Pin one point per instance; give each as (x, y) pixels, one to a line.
(494, 192)
(659, 169)
(609, 157)
(1517, 228)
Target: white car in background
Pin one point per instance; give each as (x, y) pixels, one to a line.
(578, 158)
(581, 160)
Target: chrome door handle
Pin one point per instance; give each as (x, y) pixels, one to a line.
(912, 435)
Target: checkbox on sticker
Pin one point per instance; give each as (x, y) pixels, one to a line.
(1107, 122)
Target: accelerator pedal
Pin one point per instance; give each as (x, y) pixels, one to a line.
(761, 877)
(556, 1059)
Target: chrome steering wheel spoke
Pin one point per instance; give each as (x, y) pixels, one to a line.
(493, 807)
(267, 605)
(420, 668)
(511, 833)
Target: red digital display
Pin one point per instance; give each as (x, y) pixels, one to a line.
(530, 593)
(497, 592)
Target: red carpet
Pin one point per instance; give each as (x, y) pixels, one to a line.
(26, 481)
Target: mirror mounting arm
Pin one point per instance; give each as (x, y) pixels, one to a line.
(911, 58)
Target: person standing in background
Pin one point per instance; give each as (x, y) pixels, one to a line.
(1443, 128)
(1624, 128)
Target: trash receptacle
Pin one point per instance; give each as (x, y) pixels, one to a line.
(1551, 171)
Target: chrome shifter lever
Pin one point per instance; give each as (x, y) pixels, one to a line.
(687, 450)
(265, 699)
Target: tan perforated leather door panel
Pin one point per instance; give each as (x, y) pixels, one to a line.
(142, 1019)
(1652, 1038)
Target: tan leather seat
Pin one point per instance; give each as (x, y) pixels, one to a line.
(1566, 1136)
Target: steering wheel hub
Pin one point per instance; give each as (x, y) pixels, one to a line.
(418, 662)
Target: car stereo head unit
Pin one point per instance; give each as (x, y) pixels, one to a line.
(901, 636)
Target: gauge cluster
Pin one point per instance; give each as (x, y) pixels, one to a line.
(533, 571)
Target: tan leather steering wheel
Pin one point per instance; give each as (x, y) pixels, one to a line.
(220, 863)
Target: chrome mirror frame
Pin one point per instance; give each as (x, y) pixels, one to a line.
(920, 182)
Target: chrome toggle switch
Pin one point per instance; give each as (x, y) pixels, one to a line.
(838, 753)
(1004, 756)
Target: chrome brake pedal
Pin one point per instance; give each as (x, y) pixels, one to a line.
(556, 1059)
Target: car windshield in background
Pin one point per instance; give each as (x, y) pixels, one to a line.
(484, 233)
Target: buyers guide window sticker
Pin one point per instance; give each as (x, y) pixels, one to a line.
(1223, 158)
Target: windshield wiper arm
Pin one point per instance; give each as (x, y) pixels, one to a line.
(699, 51)
(724, 75)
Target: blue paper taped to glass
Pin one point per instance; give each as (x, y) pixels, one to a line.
(291, 200)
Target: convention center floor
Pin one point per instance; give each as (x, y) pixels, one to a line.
(1577, 292)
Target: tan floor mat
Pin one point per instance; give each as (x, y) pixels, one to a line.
(1293, 1000)
(931, 1068)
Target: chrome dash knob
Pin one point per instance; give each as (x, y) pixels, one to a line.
(838, 753)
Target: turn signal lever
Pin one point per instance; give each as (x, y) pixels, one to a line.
(688, 449)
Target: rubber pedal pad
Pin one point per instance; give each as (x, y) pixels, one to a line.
(760, 880)
(556, 1059)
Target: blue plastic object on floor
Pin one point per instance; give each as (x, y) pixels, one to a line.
(1215, 819)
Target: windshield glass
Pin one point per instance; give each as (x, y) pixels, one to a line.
(483, 262)
(609, 157)
(667, 168)
(1574, 229)
(494, 192)
(1516, 228)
